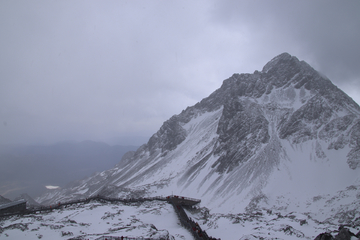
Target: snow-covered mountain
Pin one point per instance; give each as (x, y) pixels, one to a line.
(276, 138)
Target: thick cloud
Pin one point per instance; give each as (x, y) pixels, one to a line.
(324, 33)
(115, 70)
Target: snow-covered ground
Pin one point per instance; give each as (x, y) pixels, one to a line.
(263, 220)
(153, 219)
(158, 220)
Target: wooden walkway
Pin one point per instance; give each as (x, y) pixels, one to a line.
(83, 200)
(194, 228)
(184, 201)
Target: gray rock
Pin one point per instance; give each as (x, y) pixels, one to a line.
(344, 234)
(324, 236)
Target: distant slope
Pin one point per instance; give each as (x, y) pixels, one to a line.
(27, 169)
(4, 200)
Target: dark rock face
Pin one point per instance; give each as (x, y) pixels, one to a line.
(324, 236)
(344, 234)
(354, 154)
(302, 125)
(281, 69)
(336, 126)
(169, 136)
(242, 130)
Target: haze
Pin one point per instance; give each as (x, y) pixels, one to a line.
(114, 71)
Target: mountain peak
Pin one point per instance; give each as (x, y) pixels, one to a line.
(279, 60)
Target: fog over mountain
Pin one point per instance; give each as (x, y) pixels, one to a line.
(29, 169)
(114, 71)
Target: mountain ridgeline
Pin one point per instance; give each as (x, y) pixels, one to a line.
(285, 130)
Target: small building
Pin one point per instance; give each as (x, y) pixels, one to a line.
(13, 207)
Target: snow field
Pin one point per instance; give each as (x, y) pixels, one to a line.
(151, 219)
(263, 224)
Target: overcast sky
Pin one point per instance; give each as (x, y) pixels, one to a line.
(114, 71)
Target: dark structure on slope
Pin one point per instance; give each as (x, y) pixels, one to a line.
(344, 234)
(13, 207)
(192, 226)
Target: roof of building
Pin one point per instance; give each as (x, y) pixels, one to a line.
(11, 204)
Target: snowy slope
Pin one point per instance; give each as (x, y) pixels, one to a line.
(276, 138)
(156, 220)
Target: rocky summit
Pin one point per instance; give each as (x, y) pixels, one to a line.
(282, 139)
